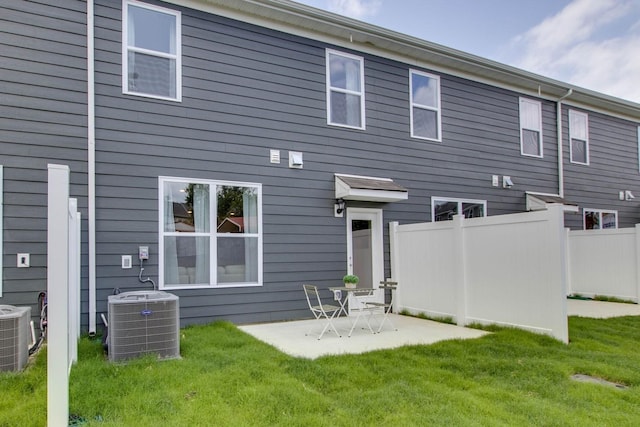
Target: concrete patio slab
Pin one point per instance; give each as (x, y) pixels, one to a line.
(601, 309)
(290, 338)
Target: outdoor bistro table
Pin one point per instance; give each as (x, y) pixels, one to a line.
(338, 293)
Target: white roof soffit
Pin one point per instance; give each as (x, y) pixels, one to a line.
(307, 21)
(540, 201)
(369, 189)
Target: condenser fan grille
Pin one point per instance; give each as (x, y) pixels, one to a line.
(14, 337)
(142, 323)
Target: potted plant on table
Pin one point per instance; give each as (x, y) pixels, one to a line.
(350, 281)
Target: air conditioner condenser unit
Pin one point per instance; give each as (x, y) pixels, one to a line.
(14, 337)
(143, 322)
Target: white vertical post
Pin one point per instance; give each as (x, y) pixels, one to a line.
(637, 266)
(58, 296)
(559, 299)
(91, 164)
(78, 272)
(568, 262)
(74, 281)
(459, 274)
(395, 263)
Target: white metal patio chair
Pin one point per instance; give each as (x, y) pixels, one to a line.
(320, 311)
(360, 307)
(386, 307)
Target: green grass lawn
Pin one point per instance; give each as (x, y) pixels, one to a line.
(228, 378)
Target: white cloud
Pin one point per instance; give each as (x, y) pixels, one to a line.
(357, 9)
(589, 43)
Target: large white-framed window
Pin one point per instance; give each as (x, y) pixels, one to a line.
(345, 89)
(444, 208)
(426, 122)
(210, 233)
(151, 51)
(599, 219)
(530, 127)
(579, 137)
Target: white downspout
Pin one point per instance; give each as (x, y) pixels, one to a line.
(91, 172)
(560, 154)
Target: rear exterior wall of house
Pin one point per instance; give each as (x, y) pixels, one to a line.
(247, 90)
(43, 120)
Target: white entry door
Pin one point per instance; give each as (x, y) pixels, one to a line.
(365, 256)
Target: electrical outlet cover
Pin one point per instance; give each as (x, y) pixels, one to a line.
(23, 260)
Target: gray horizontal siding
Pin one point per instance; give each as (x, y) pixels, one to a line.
(247, 90)
(42, 121)
(613, 167)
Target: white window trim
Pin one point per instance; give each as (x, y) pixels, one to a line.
(329, 89)
(539, 105)
(212, 234)
(600, 212)
(459, 201)
(126, 49)
(1, 225)
(437, 109)
(571, 131)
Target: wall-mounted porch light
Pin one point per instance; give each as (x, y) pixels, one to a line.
(339, 208)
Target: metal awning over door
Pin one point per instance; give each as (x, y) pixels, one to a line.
(539, 201)
(370, 189)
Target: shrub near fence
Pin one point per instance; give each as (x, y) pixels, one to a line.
(508, 270)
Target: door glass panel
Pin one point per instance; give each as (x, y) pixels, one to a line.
(361, 235)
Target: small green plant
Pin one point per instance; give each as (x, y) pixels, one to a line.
(425, 316)
(612, 299)
(350, 278)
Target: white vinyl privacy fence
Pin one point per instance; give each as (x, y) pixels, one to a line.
(508, 270)
(63, 292)
(605, 262)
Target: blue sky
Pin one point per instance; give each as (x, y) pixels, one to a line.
(594, 44)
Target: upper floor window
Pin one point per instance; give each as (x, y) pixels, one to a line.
(530, 127)
(151, 54)
(579, 137)
(596, 219)
(345, 90)
(210, 233)
(425, 106)
(444, 208)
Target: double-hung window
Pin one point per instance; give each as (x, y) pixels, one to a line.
(151, 54)
(210, 233)
(425, 106)
(579, 137)
(345, 90)
(596, 219)
(530, 127)
(444, 208)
